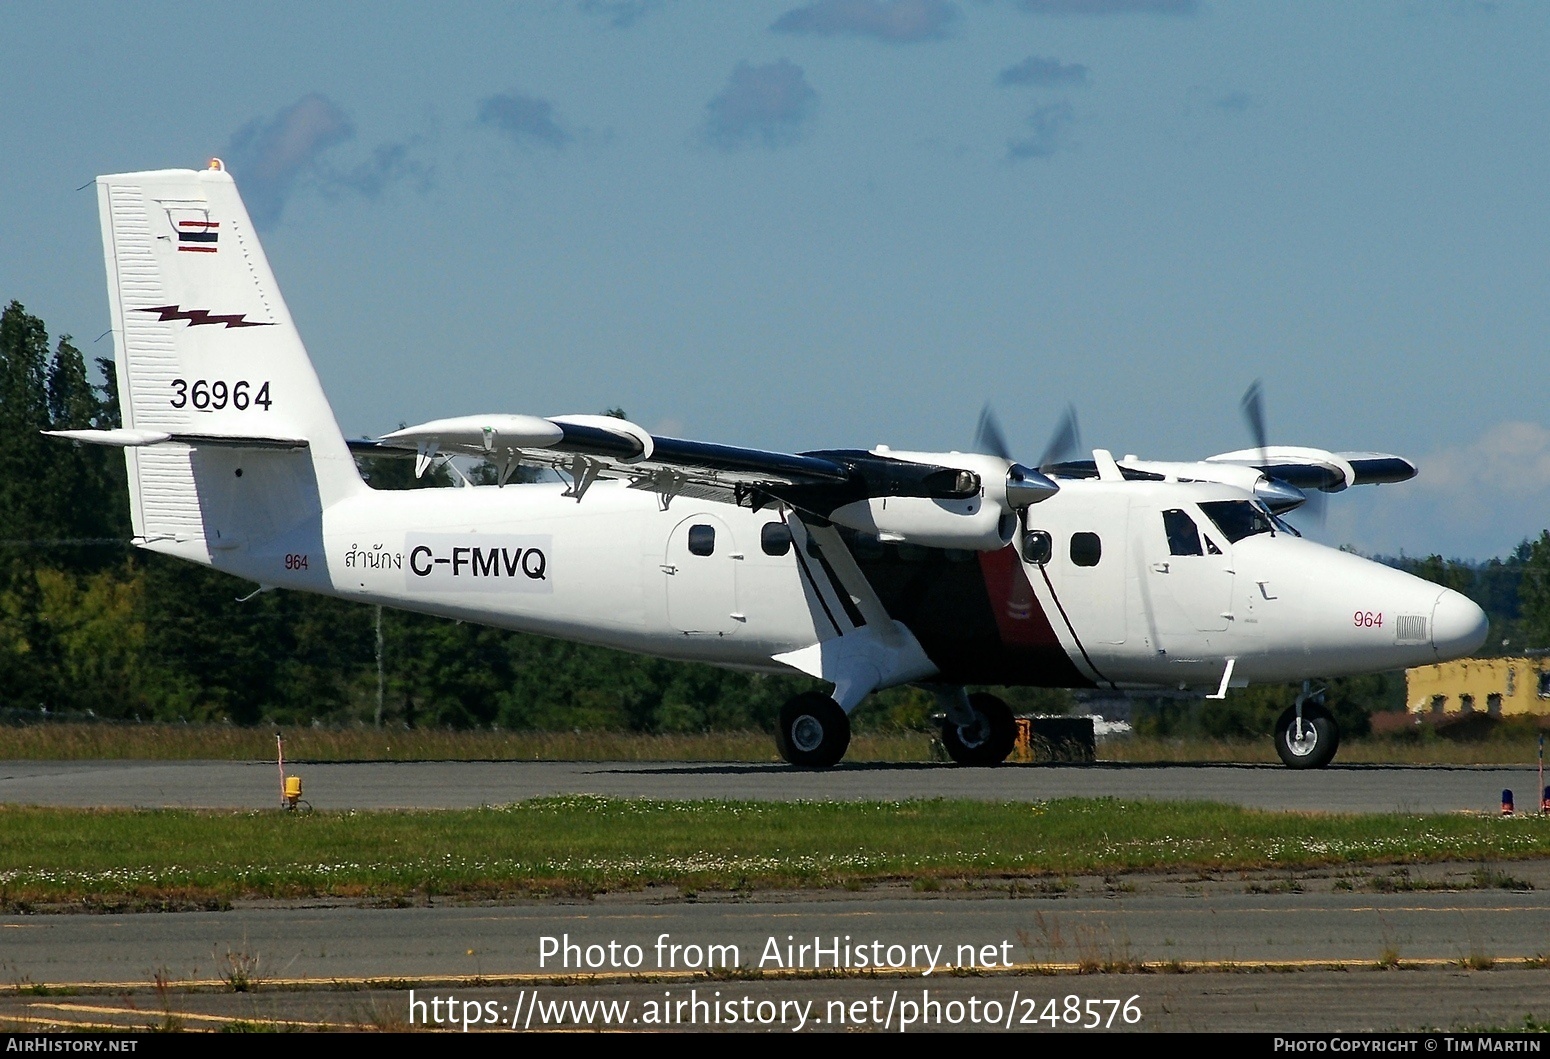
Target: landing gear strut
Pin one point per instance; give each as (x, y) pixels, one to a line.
(813, 731)
(987, 738)
(1306, 734)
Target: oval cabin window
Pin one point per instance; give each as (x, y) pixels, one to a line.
(1086, 549)
(702, 540)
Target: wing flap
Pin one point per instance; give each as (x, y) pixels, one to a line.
(592, 447)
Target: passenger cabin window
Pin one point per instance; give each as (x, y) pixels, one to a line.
(1037, 547)
(1237, 519)
(702, 540)
(775, 538)
(1086, 549)
(1183, 537)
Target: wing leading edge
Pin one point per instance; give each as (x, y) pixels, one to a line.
(590, 448)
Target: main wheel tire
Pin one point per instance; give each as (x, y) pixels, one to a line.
(814, 731)
(1320, 737)
(988, 740)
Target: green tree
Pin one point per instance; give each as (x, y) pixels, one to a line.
(1534, 591)
(26, 504)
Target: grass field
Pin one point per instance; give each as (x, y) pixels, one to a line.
(586, 845)
(65, 742)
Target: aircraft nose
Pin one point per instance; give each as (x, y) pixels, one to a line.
(1459, 627)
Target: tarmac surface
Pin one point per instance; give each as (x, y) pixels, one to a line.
(1348, 954)
(451, 785)
(1454, 946)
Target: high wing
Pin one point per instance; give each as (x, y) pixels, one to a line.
(591, 447)
(1280, 475)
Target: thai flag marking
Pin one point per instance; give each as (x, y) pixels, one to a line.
(193, 233)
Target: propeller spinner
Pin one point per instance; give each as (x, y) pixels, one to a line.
(1024, 485)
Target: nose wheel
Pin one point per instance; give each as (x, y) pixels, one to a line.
(813, 731)
(1306, 734)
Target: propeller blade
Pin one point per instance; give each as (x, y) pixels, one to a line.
(1253, 406)
(1065, 442)
(989, 439)
(1315, 509)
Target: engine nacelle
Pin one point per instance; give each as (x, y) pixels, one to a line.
(971, 524)
(986, 521)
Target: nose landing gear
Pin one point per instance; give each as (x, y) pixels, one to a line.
(1306, 734)
(813, 731)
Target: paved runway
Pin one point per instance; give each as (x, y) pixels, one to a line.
(446, 785)
(327, 955)
(1162, 919)
(1188, 923)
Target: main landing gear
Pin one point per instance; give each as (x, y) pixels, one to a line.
(978, 729)
(1306, 734)
(985, 737)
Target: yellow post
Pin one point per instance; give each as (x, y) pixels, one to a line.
(1022, 750)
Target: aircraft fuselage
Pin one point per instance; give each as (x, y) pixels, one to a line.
(1110, 599)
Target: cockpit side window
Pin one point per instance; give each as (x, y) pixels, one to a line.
(1238, 519)
(1183, 537)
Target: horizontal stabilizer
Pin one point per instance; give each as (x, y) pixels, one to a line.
(123, 438)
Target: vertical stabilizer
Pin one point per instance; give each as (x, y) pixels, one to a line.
(206, 349)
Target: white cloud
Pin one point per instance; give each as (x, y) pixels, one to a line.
(1474, 499)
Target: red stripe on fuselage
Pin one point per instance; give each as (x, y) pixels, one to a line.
(1019, 616)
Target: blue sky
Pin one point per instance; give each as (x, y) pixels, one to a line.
(845, 222)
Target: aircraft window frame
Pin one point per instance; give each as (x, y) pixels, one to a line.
(1212, 548)
(775, 539)
(1182, 533)
(1237, 519)
(701, 539)
(1079, 547)
(1038, 547)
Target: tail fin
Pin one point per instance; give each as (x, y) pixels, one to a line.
(212, 374)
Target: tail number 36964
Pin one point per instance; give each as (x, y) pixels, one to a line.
(207, 395)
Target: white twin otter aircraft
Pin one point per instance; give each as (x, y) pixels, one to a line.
(862, 569)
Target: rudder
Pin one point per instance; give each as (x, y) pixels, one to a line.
(208, 354)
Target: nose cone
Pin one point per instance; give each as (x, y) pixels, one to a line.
(1458, 626)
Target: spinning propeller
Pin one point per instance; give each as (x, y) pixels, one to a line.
(1024, 485)
(1064, 443)
(1313, 501)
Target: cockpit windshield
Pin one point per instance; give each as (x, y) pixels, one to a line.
(1238, 519)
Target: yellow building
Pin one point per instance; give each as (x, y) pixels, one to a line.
(1500, 687)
